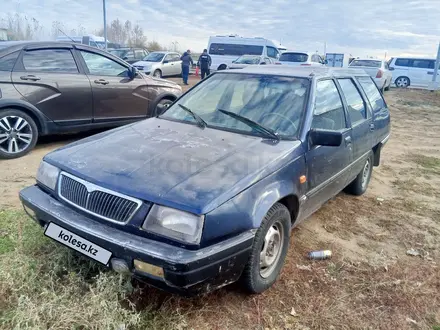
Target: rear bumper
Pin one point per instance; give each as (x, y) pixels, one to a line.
(186, 272)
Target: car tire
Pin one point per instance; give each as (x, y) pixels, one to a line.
(273, 234)
(157, 73)
(18, 133)
(402, 82)
(387, 87)
(164, 101)
(360, 184)
(222, 67)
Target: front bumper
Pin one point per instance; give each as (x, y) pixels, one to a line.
(186, 272)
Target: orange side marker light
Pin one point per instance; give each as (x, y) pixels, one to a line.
(302, 179)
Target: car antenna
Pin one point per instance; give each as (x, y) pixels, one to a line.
(66, 35)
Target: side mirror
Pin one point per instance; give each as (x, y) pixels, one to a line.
(161, 108)
(263, 63)
(166, 61)
(125, 58)
(132, 71)
(325, 62)
(322, 137)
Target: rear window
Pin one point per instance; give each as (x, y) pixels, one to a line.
(234, 49)
(293, 57)
(370, 64)
(373, 94)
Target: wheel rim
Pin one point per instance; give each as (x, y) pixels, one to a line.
(156, 74)
(271, 249)
(366, 174)
(402, 82)
(15, 134)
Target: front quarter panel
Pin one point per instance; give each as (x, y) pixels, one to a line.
(247, 210)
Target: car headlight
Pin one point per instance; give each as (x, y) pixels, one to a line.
(48, 175)
(179, 225)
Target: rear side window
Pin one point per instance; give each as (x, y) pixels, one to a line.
(329, 112)
(402, 62)
(7, 62)
(234, 49)
(293, 57)
(355, 103)
(49, 60)
(272, 52)
(423, 64)
(373, 94)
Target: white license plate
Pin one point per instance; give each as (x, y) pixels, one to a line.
(78, 243)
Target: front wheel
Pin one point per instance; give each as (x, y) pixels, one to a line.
(18, 134)
(269, 250)
(360, 184)
(157, 74)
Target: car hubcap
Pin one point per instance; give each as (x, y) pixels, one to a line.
(157, 74)
(15, 134)
(271, 250)
(402, 82)
(366, 174)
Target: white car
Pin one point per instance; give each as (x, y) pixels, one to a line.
(245, 60)
(160, 64)
(377, 69)
(417, 72)
(300, 59)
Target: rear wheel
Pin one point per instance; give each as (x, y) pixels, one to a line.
(269, 250)
(18, 134)
(387, 86)
(360, 184)
(402, 82)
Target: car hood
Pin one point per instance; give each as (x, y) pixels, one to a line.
(145, 64)
(175, 164)
(238, 66)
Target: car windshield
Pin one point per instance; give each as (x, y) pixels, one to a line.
(274, 102)
(154, 57)
(366, 63)
(293, 57)
(119, 52)
(248, 60)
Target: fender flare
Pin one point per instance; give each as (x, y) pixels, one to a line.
(158, 98)
(41, 119)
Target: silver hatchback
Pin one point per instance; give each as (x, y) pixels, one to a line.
(160, 64)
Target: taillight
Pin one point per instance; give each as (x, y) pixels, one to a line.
(306, 64)
(379, 74)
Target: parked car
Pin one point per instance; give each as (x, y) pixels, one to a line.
(300, 59)
(245, 60)
(377, 69)
(207, 193)
(55, 87)
(415, 72)
(129, 55)
(160, 64)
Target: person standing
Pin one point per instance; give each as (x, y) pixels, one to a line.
(204, 63)
(187, 61)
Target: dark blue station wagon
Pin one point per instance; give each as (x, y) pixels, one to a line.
(207, 192)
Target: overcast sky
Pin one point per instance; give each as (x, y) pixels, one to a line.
(369, 28)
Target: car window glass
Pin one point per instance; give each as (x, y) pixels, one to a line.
(355, 103)
(422, 64)
(138, 54)
(168, 58)
(101, 65)
(328, 112)
(385, 64)
(175, 57)
(49, 60)
(402, 62)
(272, 52)
(373, 94)
(293, 57)
(7, 62)
(315, 58)
(234, 49)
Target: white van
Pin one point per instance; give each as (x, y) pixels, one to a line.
(415, 72)
(91, 40)
(225, 49)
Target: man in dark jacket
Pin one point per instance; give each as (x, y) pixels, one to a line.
(187, 61)
(204, 63)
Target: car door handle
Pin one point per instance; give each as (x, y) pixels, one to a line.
(347, 140)
(371, 127)
(30, 77)
(101, 82)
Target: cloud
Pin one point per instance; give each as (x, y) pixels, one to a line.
(359, 28)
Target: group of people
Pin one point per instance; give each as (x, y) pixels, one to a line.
(204, 63)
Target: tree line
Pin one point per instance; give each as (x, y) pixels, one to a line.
(22, 27)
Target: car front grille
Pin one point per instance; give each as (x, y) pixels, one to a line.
(101, 202)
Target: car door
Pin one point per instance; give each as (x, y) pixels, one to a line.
(176, 64)
(328, 168)
(419, 72)
(115, 96)
(51, 80)
(360, 119)
(168, 65)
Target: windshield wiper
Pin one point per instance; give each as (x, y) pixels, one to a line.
(198, 119)
(252, 124)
